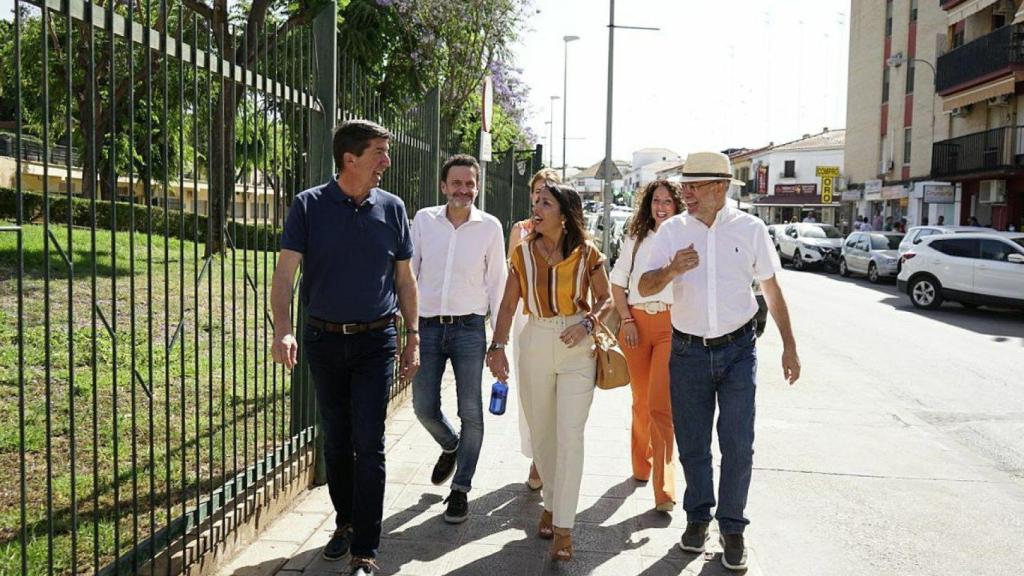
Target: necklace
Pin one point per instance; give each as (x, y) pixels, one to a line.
(547, 254)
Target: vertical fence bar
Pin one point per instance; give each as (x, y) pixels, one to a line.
(19, 222)
(47, 358)
(92, 144)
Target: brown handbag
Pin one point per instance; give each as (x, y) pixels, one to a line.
(612, 371)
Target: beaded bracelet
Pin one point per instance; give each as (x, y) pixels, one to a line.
(628, 320)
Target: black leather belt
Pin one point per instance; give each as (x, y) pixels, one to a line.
(720, 340)
(448, 319)
(351, 328)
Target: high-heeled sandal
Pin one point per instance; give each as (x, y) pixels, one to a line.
(561, 546)
(534, 482)
(546, 528)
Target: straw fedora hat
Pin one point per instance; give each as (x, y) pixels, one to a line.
(708, 166)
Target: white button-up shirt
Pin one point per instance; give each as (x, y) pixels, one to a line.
(715, 298)
(622, 276)
(460, 270)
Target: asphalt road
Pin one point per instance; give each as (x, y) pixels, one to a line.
(901, 449)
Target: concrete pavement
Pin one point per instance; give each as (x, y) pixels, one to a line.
(897, 453)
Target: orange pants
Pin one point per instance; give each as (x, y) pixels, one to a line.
(652, 438)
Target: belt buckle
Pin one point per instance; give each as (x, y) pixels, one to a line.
(446, 319)
(349, 329)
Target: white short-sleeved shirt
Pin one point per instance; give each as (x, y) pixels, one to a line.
(715, 298)
(622, 276)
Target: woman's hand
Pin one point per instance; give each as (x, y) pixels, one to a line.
(498, 364)
(574, 334)
(629, 334)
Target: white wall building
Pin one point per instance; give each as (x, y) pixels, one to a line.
(793, 188)
(646, 164)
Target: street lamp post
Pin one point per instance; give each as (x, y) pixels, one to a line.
(608, 164)
(565, 88)
(551, 131)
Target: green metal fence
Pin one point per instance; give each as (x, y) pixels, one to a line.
(156, 157)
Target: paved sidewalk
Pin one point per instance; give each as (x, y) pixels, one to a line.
(617, 530)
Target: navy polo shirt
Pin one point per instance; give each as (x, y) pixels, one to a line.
(348, 252)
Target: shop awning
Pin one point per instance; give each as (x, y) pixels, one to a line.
(987, 90)
(967, 8)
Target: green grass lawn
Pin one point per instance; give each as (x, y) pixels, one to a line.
(118, 425)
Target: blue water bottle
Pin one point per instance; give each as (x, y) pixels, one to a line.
(499, 395)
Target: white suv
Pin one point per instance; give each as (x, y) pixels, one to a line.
(807, 244)
(973, 268)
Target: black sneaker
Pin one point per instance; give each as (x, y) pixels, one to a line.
(458, 508)
(694, 537)
(734, 553)
(338, 545)
(363, 567)
(444, 468)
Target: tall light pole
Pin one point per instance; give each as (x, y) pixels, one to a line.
(608, 164)
(565, 88)
(551, 132)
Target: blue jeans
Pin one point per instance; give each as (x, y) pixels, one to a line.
(463, 342)
(353, 375)
(700, 376)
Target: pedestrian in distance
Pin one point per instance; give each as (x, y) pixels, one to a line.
(459, 264)
(521, 230)
(710, 255)
(941, 221)
(646, 339)
(355, 245)
(559, 274)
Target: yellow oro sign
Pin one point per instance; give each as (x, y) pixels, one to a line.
(828, 175)
(826, 189)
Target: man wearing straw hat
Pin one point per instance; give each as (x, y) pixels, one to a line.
(711, 254)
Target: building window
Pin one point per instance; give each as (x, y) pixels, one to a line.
(956, 37)
(910, 76)
(790, 169)
(885, 85)
(888, 18)
(907, 139)
(913, 10)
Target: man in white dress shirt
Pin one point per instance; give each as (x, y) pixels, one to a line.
(711, 254)
(459, 263)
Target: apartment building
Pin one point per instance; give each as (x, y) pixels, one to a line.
(979, 145)
(932, 111)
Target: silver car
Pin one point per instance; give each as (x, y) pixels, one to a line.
(874, 254)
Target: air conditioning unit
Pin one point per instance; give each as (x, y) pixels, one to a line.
(885, 167)
(1003, 100)
(960, 111)
(992, 192)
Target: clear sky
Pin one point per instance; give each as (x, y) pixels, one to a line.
(719, 74)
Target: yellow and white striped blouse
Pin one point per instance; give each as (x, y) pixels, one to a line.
(562, 289)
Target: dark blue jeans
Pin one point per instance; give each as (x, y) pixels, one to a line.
(464, 343)
(702, 377)
(353, 375)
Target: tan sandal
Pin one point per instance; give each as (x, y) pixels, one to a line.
(561, 545)
(534, 482)
(546, 528)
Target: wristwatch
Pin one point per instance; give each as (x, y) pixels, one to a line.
(495, 346)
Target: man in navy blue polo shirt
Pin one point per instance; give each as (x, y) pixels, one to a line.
(355, 243)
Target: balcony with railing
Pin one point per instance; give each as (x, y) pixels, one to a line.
(995, 150)
(982, 59)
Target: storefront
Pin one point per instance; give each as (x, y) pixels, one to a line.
(933, 203)
(794, 202)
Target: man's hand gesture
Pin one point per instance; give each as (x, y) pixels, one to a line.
(684, 260)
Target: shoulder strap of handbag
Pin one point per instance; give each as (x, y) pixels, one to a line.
(632, 262)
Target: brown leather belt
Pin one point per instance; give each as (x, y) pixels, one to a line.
(351, 328)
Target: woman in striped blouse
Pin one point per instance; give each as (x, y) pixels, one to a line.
(559, 275)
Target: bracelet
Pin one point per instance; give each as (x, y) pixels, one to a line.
(412, 331)
(628, 320)
(588, 325)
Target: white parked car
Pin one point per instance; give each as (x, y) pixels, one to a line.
(872, 254)
(806, 244)
(972, 268)
(915, 234)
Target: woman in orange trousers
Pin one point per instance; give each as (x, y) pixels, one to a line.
(646, 339)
